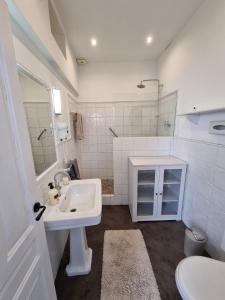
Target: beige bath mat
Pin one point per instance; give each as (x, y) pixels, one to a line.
(127, 271)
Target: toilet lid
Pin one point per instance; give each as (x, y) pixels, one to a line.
(201, 278)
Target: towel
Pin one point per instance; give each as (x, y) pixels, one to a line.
(78, 126)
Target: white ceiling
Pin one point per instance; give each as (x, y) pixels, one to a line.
(121, 26)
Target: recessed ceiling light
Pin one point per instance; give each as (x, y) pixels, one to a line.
(93, 42)
(149, 39)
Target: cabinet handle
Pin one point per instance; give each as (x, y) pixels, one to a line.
(156, 194)
(160, 194)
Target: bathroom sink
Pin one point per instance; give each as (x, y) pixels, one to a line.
(80, 205)
(79, 198)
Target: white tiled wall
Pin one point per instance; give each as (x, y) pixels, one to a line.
(126, 119)
(132, 146)
(204, 200)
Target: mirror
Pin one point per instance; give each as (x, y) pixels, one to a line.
(37, 105)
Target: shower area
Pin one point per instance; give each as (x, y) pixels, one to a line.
(105, 121)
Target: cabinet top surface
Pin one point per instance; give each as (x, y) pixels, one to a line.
(155, 161)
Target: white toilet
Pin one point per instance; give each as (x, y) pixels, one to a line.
(201, 278)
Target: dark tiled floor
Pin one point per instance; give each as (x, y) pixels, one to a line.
(164, 241)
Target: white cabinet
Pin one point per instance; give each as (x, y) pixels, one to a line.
(189, 103)
(156, 187)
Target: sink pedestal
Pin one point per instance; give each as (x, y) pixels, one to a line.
(80, 254)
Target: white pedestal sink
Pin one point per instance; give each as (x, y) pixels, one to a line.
(80, 254)
(80, 205)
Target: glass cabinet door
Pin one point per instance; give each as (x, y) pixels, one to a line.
(146, 192)
(170, 194)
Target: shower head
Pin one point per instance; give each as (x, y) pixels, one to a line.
(141, 85)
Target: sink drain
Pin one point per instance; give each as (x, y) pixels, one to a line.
(73, 210)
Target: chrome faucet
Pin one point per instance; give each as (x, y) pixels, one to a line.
(57, 183)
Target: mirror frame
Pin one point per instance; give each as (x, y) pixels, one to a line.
(28, 73)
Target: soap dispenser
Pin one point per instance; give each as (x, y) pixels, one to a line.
(52, 194)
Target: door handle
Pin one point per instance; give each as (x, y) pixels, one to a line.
(37, 206)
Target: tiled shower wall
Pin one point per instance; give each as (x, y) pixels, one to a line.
(125, 118)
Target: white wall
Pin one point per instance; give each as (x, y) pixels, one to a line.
(195, 66)
(116, 81)
(36, 14)
(56, 240)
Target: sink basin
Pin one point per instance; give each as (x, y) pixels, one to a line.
(80, 205)
(79, 198)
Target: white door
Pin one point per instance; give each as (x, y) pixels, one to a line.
(25, 271)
